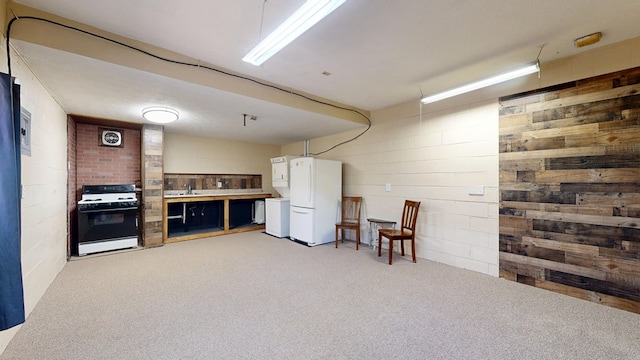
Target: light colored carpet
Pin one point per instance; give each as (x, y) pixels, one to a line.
(253, 296)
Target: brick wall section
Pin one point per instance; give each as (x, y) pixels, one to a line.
(72, 200)
(98, 165)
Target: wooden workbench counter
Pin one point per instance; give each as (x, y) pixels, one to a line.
(188, 217)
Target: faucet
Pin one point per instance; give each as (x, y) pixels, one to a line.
(189, 192)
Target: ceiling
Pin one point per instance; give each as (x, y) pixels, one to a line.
(378, 53)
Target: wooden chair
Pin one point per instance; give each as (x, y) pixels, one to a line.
(350, 219)
(406, 231)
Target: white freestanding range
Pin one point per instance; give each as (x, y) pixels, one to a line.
(316, 191)
(277, 209)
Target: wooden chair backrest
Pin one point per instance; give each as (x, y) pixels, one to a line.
(351, 209)
(410, 215)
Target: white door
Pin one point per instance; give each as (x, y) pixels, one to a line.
(302, 224)
(302, 182)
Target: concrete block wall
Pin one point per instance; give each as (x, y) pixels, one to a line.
(436, 158)
(461, 226)
(436, 152)
(44, 182)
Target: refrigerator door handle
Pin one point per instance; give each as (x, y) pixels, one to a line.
(309, 185)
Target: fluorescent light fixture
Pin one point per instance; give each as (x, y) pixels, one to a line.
(528, 69)
(304, 18)
(160, 114)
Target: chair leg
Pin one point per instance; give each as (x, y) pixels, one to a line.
(413, 248)
(402, 246)
(379, 244)
(337, 237)
(357, 238)
(390, 251)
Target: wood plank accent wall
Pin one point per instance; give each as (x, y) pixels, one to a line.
(570, 189)
(152, 182)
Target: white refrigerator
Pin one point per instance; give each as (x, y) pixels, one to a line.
(315, 195)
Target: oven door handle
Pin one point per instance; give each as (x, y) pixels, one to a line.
(107, 210)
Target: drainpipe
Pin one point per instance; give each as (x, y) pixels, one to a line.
(306, 148)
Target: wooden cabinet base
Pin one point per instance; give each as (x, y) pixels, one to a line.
(184, 217)
(213, 233)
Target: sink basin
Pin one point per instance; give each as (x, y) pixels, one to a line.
(184, 194)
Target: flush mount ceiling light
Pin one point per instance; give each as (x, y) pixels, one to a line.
(587, 40)
(526, 70)
(304, 18)
(160, 114)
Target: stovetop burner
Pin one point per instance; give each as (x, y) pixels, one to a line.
(107, 197)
